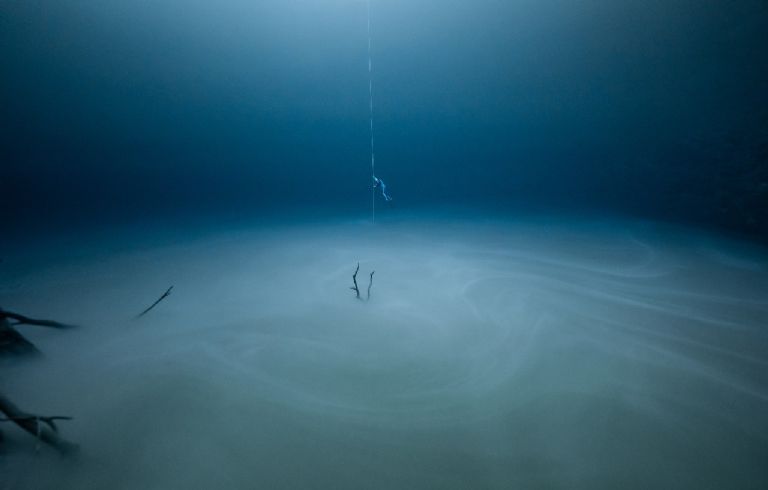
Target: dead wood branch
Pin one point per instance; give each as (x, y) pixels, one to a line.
(42, 427)
(24, 320)
(354, 280)
(164, 295)
(356, 289)
(370, 283)
(12, 343)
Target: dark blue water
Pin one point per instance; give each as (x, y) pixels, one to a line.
(571, 281)
(130, 109)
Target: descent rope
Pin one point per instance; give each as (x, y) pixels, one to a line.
(370, 107)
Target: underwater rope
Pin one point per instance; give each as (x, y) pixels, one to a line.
(377, 183)
(370, 107)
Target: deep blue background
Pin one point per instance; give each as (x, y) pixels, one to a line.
(115, 110)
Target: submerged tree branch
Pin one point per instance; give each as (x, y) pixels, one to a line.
(354, 280)
(23, 320)
(370, 283)
(356, 289)
(164, 295)
(12, 343)
(42, 427)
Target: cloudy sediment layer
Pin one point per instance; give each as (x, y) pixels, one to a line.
(531, 354)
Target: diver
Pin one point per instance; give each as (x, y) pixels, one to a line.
(377, 182)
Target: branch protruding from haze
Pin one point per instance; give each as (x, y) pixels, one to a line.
(356, 288)
(42, 427)
(23, 320)
(370, 283)
(162, 297)
(354, 280)
(12, 343)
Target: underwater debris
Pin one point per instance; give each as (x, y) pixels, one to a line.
(354, 280)
(12, 343)
(370, 283)
(356, 289)
(42, 427)
(162, 297)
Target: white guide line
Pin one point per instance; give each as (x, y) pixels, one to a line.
(370, 107)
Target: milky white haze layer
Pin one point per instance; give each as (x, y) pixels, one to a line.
(491, 355)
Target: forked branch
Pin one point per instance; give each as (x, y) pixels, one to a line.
(354, 280)
(42, 427)
(356, 289)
